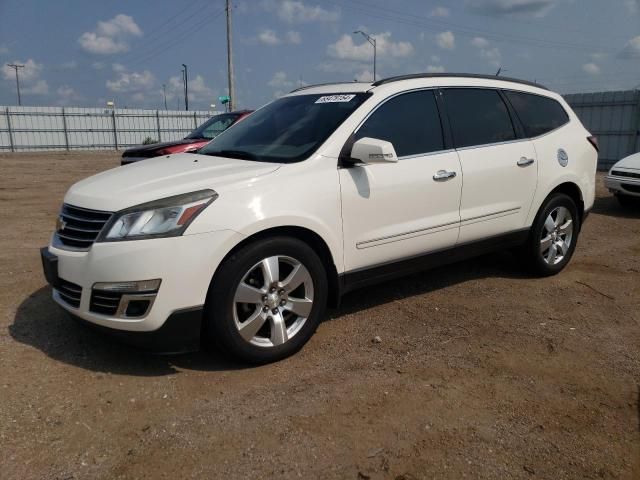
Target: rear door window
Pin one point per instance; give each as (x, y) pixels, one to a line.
(409, 121)
(478, 116)
(537, 114)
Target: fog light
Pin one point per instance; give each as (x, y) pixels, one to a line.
(129, 287)
(137, 308)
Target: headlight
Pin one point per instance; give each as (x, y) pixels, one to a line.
(168, 217)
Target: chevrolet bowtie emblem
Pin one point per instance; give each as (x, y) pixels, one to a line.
(60, 224)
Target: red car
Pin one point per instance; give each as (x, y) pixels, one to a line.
(192, 142)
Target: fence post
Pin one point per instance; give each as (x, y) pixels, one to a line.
(195, 121)
(158, 125)
(115, 130)
(9, 128)
(64, 126)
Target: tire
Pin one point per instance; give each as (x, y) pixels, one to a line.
(551, 243)
(627, 201)
(256, 319)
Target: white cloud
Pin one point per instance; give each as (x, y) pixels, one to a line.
(598, 56)
(435, 58)
(110, 36)
(31, 82)
(536, 8)
(486, 51)
(364, 76)
(65, 91)
(439, 12)
(295, 11)
(480, 42)
(269, 37)
(30, 73)
(294, 37)
(280, 80)
(435, 69)
(39, 87)
(118, 67)
(198, 89)
(446, 40)
(131, 82)
(70, 65)
(98, 65)
(631, 49)
(633, 6)
(591, 68)
(346, 49)
(4, 49)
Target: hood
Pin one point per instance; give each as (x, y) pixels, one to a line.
(632, 161)
(142, 182)
(152, 147)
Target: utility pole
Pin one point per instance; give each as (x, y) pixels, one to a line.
(16, 67)
(164, 91)
(372, 41)
(185, 79)
(232, 92)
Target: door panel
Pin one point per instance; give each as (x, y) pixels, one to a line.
(497, 192)
(396, 210)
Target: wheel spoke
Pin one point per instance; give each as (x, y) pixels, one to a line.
(299, 306)
(298, 275)
(248, 294)
(545, 243)
(251, 325)
(564, 247)
(549, 224)
(551, 256)
(560, 216)
(271, 270)
(566, 227)
(278, 329)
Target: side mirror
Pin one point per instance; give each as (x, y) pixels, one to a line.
(371, 150)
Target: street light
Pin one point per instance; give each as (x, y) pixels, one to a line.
(372, 41)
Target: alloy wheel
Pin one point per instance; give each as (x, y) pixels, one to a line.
(273, 301)
(557, 234)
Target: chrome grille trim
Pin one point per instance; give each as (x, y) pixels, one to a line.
(80, 227)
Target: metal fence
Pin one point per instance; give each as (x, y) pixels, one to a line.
(59, 128)
(613, 117)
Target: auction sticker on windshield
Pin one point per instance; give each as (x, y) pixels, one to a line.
(335, 98)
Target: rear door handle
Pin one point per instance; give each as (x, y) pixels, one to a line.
(443, 175)
(524, 161)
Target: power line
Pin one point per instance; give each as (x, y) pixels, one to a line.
(429, 24)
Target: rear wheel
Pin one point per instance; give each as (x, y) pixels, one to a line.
(266, 300)
(553, 236)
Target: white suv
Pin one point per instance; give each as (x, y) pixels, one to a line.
(322, 191)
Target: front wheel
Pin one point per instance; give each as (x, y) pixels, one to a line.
(266, 300)
(553, 236)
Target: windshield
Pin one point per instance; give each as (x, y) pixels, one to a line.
(286, 130)
(214, 126)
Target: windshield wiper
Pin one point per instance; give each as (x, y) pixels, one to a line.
(240, 154)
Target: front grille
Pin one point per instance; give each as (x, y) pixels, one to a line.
(79, 227)
(619, 173)
(631, 188)
(69, 292)
(105, 302)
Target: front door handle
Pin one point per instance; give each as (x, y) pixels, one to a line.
(443, 175)
(524, 161)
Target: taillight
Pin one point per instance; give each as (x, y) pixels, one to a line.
(593, 141)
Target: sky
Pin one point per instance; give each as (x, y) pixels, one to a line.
(89, 52)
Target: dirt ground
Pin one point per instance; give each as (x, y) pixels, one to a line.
(482, 371)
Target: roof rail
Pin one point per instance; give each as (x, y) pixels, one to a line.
(458, 75)
(321, 85)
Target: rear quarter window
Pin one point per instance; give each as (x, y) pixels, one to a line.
(537, 114)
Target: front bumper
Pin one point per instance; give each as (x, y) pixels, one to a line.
(184, 264)
(622, 185)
